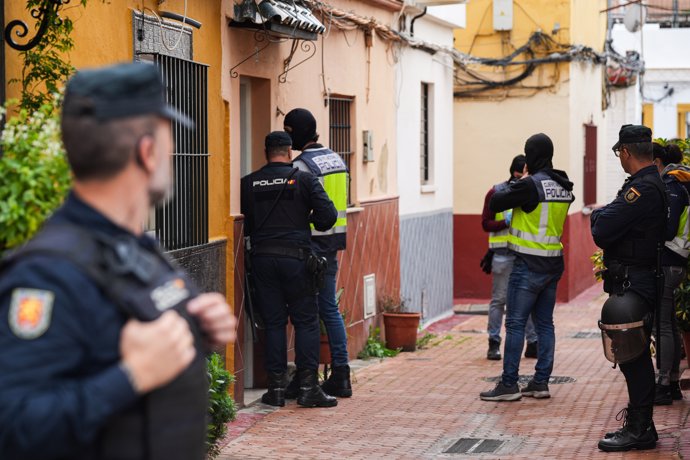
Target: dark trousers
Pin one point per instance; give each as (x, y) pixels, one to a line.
(639, 374)
(282, 289)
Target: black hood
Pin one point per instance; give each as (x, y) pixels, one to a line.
(559, 176)
(300, 124)
(538, 152)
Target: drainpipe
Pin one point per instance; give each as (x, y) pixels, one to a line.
(414, 19)
(2, 55)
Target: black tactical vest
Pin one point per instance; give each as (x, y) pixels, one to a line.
(167, 423)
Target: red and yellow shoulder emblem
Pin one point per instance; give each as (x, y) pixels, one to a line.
(632, 195)
(30, 312)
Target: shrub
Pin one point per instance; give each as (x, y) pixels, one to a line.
(34, 170)
(221, 407)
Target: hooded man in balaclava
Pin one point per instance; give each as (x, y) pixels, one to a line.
(540, 202)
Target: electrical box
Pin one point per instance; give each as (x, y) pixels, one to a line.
(503, 14)
(368, 146)
(369, 296)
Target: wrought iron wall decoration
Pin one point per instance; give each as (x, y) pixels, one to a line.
(259, 36)
(46, 13)
(305, 46)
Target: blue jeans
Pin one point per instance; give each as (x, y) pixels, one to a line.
(501, 267)
(529, 293)
(330, 315)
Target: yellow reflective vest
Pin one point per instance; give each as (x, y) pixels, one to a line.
(539, 232)
(499, 240)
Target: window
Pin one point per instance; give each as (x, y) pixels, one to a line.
(340, 130)
(590, 165)
(425, 149)
(183, 221)
(683, 120)
(648, 116)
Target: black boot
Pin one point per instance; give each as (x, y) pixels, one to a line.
(338, 383)
(310, 393)
(275, 396)
(676, 394)
(662, 395)
(638, 432)
(494, 352)
(292, 389)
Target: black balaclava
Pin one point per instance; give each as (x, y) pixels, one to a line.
(300, 124)
(539, 152)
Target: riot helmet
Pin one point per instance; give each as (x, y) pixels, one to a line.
(624, 324)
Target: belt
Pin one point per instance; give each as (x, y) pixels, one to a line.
(280, 251)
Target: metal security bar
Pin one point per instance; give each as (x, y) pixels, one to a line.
(424, 135)
(340, 130)
(183, 221)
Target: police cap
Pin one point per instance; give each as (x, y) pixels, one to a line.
(633, 134)
(278, 139)
(119, 91)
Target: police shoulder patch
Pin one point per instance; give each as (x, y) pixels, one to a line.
(632, 195)
(30, 312)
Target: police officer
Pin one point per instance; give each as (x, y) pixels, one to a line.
(332, 172)
(279, 203)
(674, 262)
(540, 202)
(501, 264)
(101, 336)
(631, 231)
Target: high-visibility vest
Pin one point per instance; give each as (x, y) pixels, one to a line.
(499, 239)
(539, 232)
(331, 170)
(680, 244)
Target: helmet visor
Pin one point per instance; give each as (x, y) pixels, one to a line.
(623, 342)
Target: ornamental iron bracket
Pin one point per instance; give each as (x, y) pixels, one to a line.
(306, 47)
(259, 37)
(46, 13)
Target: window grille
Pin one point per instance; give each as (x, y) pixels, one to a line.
(340, 130)
(424, 136)
(183, 221)
(590, 165)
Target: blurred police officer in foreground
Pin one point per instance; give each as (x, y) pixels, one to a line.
(101, 338)
(631, 232)
(332, 172)
(279, 203)
(540, 202)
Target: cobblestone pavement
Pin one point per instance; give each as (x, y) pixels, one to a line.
(417, 405)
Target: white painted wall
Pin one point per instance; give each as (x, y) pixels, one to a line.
(667, 64)
(414, 67)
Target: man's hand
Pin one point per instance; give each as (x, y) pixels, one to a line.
(214, 315)
(156, 352)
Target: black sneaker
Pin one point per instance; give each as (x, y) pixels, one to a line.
(662, 395)
(502, 393)
(536, 390)
(676, 394)
(531, 350)
(494, 352)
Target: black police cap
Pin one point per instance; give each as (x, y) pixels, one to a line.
(278, 139)
(633, 134)
(119, 91)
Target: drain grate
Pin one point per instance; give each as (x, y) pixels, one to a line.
(587, 335)
(474, 446)
(524, 379)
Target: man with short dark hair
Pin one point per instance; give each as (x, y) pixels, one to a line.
(497, 225)
(279, 203)
(631, 231)
(102, 338)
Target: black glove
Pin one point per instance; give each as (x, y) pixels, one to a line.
(485, 263)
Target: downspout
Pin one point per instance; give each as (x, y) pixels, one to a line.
(2, 55)
(414, 19)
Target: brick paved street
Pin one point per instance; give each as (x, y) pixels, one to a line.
(417, 405)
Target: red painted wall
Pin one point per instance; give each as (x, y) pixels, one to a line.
(470, 243)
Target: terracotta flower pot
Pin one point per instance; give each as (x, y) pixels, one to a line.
(324, 350)
(401, 330)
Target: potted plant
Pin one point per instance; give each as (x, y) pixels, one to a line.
(682, 298)
(399, 323)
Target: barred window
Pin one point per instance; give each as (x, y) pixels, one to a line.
(340, 130)
(182, 222)
(425, 154)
